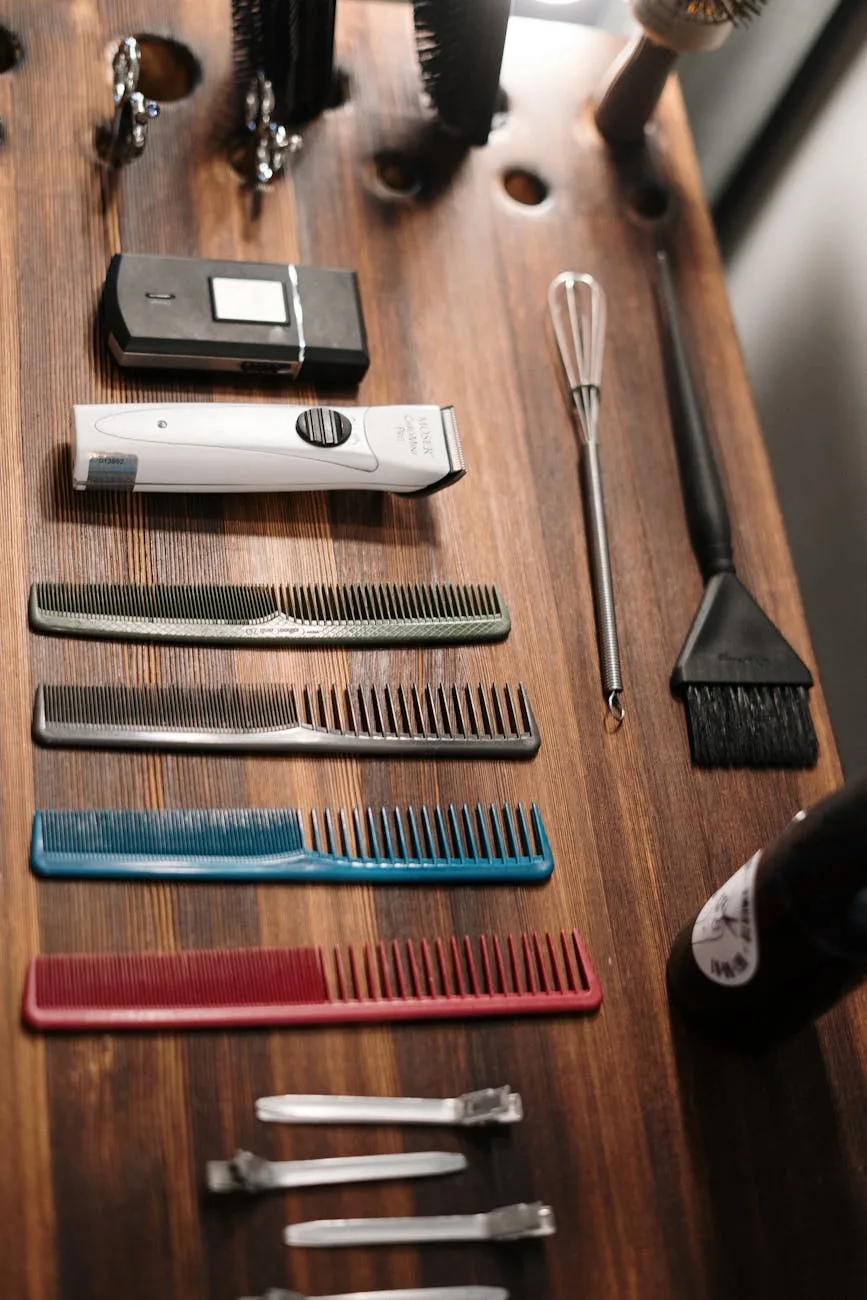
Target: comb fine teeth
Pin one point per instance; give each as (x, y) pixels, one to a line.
(344, 614)
(444, 720)
(443, 979)
(389, 846)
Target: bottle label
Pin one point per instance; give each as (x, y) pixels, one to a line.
(725, 942)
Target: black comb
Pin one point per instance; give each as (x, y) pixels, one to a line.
(338, 614)
(454, 721)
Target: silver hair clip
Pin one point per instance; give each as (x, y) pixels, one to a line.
(249, 1173)
(269, 143)
(124, 140)
(473, 1109)
(510, 1223)
(414, 1293)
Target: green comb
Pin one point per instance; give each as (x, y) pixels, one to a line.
(340, 614)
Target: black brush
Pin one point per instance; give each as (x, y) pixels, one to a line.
(291, 42)
(460, 49)
(744, 687)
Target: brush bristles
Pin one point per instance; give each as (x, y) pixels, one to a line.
(291, 43)
(460, 48)
(692, 26)
(750, 726)
(733, 11)
(715, 11)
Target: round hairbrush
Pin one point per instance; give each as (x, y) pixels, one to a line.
(669, 28)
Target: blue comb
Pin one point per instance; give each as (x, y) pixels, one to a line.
(388, 847)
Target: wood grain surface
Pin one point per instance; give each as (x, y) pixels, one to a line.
(675, 1169)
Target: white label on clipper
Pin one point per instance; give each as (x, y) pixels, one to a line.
(725, 942)
(106, 470)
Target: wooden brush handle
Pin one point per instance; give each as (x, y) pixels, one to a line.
(632, 90)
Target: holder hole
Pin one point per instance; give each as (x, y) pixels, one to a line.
(502, 108)
(169, 69)
(10, 49)
(398, 174)
(525, 187)
(651, 201)
(340, 89)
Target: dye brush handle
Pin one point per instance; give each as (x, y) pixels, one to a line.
(706, 512)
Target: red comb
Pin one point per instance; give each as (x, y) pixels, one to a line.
(531, 974)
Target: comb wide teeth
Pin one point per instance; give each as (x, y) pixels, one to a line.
(442, 979)
(386, 846)
(471, 721)
(344, 614)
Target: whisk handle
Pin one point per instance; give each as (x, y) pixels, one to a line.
(600, 573)
(704, 502)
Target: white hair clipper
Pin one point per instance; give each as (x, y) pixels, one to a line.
(246, 447)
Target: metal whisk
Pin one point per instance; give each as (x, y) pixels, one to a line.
(578, 311)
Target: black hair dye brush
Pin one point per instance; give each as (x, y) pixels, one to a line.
(460, 49)
(669, 28)
(744, 687)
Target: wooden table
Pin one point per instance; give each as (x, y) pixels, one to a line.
(675, 1170)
